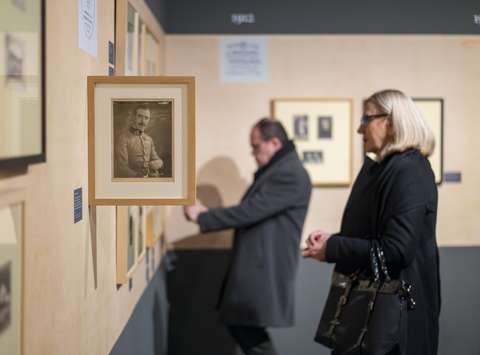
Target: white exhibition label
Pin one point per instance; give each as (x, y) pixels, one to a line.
(87, 26)
(243, 60)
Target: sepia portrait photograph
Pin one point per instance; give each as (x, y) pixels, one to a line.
(300, 127)
(142, 140)
(325, 127)
(14, 57)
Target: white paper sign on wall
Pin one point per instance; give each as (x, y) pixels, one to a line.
(87, 26)
(243, 60)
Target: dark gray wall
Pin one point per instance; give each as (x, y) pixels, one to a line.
(199, 273)
(159, 9)
(146, 330)
(193, 286)
(307, 16)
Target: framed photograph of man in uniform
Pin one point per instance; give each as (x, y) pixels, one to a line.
(322, 131)
(141, 140)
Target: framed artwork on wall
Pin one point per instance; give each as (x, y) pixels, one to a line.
(142, 232)
(11, 277)
(155, 224)
(138, 39)
(126, 236)
(131, 240)
(432, 111)
(322, 131)
(141, 145)
(22, 83)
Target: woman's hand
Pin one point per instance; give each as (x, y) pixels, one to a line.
(316, 245)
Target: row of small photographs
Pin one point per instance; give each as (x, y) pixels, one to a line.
(301, 127)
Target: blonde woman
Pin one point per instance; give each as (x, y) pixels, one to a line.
(394, 202)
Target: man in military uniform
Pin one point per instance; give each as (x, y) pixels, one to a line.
(135, 154)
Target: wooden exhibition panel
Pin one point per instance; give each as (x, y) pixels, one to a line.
(333, 66)
(72, 304)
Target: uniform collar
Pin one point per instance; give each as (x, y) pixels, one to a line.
(135, 131)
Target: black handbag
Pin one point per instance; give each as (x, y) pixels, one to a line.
(366, 313)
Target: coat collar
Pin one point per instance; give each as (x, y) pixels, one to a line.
(287, 148)
(287, 151)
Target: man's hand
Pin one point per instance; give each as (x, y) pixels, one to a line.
(155, 164)
(316, 245)
(191, 212)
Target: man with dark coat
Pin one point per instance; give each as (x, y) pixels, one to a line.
(258, 291)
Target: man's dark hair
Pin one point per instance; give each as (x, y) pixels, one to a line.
(140, 107)
(270, 128)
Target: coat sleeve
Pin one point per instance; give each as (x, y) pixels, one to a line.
(400, 234)
(281, 191)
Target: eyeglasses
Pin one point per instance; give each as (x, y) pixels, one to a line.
(367, 118)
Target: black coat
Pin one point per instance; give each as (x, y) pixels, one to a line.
(396, 202)
(259, 287)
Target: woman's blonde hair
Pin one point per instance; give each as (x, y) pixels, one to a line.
(410, 129)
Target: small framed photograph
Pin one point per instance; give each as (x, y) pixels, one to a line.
(325, 124)
(141, 140)
(15, 57)
(300, 127)
(322, 131)
(126, 237)
(432, 111)
(11, 276)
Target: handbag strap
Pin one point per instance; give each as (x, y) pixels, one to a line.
(405, 291)
(383, 263)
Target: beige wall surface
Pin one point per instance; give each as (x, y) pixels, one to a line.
(331, 66)
(72, 304)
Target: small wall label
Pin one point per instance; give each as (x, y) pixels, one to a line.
(452, 176)
(77, 205)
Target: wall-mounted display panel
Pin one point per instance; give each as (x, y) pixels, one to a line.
(138, 37)
(11, 278)
(322, 131)
(22, 83)
(141, 140)
(432, 111)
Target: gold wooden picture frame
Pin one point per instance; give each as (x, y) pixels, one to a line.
(12, 238)
(322, 131)
(141, 140)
